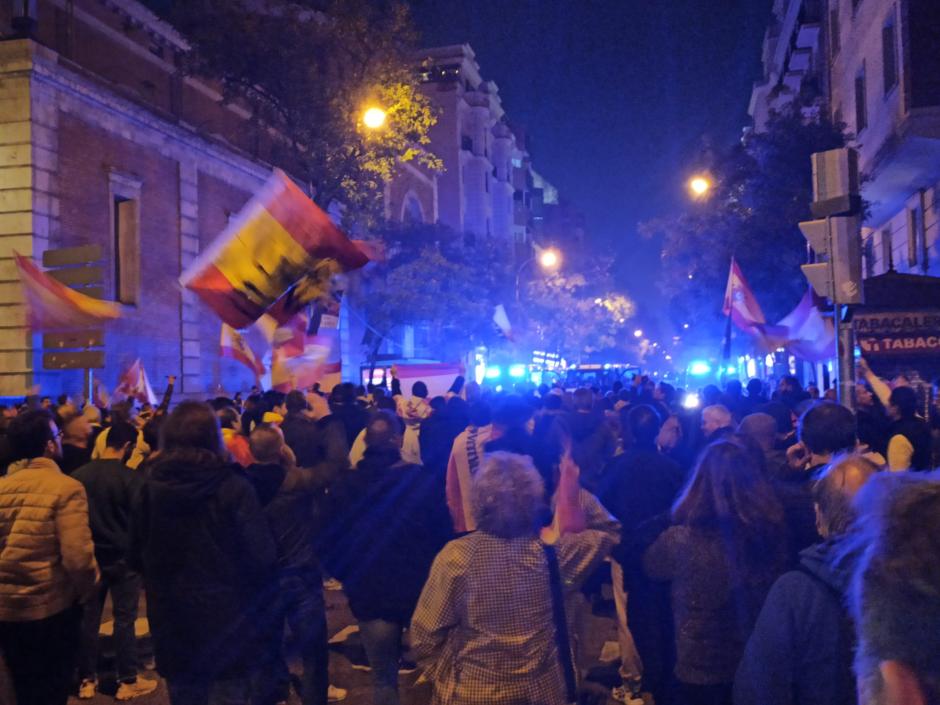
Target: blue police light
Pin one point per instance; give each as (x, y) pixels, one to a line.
(699, 368)
(691, 401)
(517, 371)
(731, 370)
(493, 372)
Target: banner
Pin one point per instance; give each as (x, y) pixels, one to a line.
(278, 237)
(898, 334)
(52, 305)
(319, 358)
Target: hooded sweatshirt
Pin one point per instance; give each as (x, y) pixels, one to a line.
(206, 553)
(800, 652)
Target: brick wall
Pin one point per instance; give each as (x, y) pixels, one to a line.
(88, 156)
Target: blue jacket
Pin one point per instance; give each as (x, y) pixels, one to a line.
(800, 652)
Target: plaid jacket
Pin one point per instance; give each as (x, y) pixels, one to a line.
(483, 629)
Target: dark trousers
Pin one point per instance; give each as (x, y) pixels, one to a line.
(222, 691)
(690, 694)
(41, 655)
(382, 641)
(299, 604)
(124, 586)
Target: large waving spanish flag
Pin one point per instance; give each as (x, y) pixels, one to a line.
(278, 237)
(52, 305)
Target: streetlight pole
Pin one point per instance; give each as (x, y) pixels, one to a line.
(548, 259)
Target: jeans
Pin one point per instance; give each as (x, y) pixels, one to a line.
(382, 642)
(124, 586)
(40, 656)
(223, 691)
(300, 604)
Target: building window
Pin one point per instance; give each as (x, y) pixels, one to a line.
(411, 211)
(466, 143)
(835, 33)
(125, 237)
(913, 231)
(887, 249)
(861, 106)
(868, 250)
(486, 182)
(889, 53)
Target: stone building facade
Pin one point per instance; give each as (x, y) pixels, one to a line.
(104, 142)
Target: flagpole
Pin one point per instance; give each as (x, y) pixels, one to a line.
(726, 352)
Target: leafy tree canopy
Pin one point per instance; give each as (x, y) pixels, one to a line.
(309, 68)
(763, 188)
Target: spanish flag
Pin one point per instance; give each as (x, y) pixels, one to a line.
(277, 239)
(234, 346)
(52, 305)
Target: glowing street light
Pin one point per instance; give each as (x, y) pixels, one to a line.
(700, 186)
(638, 333)
(549, 259)
(374, 118)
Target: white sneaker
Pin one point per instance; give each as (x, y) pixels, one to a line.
(86, 691)
(334, 694)
(627, 695)
(142, 686)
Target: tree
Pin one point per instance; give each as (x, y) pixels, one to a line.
(763, 188)
(307, 69)
(576, 313)
(434, 276)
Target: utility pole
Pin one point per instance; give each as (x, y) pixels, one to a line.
(835, 236)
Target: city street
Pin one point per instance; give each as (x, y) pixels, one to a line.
(347, 657)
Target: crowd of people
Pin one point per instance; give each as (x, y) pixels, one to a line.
(764, 548)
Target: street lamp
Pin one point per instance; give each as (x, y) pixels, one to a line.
(548, 259)
(374, 118)
(700, 185)
(638, 333)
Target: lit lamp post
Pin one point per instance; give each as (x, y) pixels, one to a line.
(374, 118)
(700, 186)
(548, 259)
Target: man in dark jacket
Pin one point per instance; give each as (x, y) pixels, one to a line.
(206, 553)
(389, 520)
(112, 488)
(317, 445)
(909, 443)
(800, 652)
(644, 484)
(286, 493)
(824, 430)
(592, 440)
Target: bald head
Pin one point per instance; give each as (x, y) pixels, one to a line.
(715, 417)
(265, 443)
(760, 428)
(836, 488)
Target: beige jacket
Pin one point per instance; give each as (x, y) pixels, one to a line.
(47, 557)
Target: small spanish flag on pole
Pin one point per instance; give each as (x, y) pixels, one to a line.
(52, 305)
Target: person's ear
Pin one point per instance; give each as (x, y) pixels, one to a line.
(901, 685)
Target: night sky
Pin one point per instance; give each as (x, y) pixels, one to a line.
(618, 97)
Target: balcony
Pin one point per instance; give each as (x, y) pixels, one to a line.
(907, 160)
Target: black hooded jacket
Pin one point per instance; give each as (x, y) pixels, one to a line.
(388, 520)
(206, 552)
